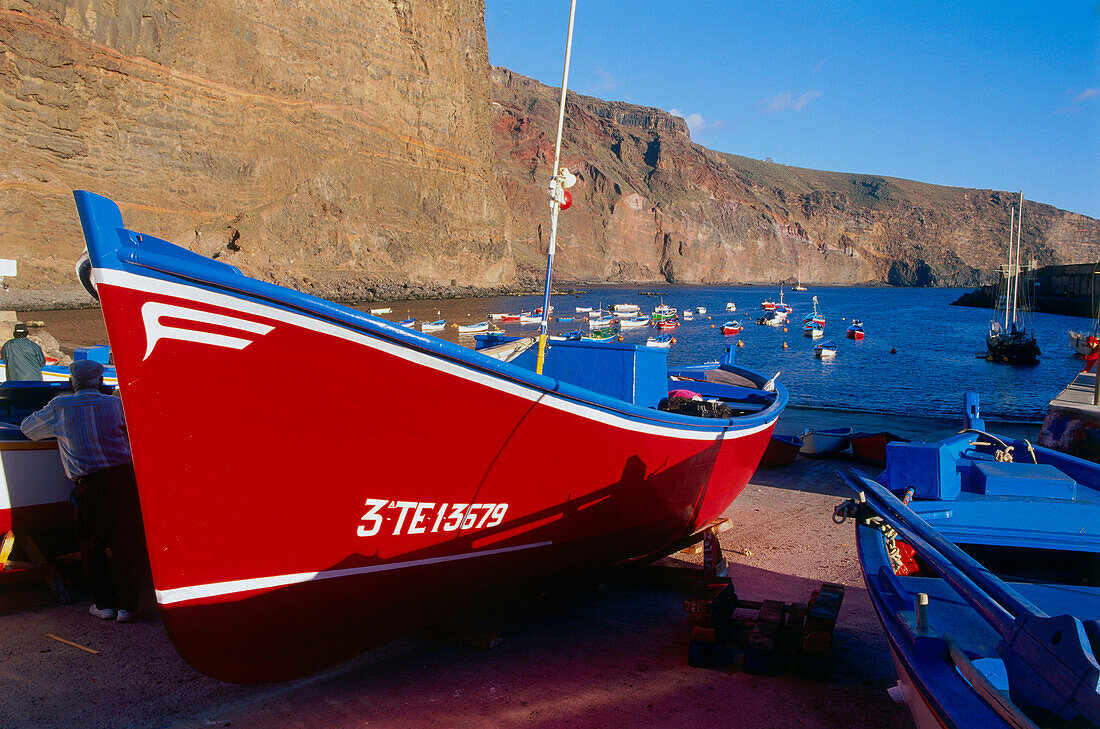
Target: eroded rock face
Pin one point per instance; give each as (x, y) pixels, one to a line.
(651, 205)
(323, 144)
(368, 151)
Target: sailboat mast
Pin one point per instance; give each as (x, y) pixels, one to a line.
(1019, 232)
(1008, 271)
(555, 194)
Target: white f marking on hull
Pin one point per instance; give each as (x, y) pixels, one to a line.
(152, 311)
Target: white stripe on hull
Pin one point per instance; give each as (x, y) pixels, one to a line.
(221, 589)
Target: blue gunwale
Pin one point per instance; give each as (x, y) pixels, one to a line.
(112, 246)
(992, 619)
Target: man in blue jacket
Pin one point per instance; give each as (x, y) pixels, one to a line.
(23, 358)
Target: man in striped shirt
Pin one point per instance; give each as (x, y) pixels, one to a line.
(90, 428)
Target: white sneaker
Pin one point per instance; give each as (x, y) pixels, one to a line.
(124, 616)
(104, 614)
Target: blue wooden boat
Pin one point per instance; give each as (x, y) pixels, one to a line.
(981, 555)
(825, 350)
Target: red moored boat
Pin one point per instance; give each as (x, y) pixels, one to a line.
(667, 324)
(291, 527)
(732, 327)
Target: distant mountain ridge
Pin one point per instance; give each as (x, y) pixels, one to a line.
(652, 205)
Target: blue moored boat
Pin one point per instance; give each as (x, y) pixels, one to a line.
(981, 555)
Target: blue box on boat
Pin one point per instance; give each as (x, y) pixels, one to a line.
(100, 353)
(1040, 480)
(635, 374)
(927, 468)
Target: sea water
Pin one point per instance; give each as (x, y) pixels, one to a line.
(919, 355)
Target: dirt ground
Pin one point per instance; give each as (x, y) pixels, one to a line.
(606, 652)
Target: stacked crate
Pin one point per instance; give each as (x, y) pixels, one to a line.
(768, 637)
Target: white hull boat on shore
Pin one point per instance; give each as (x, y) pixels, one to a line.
(822, 441)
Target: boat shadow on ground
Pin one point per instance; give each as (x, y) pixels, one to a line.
(604, 649)
(816, 475)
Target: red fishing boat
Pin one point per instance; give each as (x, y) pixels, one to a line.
(291, 524)
(782, 451)
(732, 327)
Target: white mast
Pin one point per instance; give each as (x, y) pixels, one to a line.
(1008, 271)
(558, 183)
(1016, 286)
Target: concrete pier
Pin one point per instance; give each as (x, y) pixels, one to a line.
(1072, 424)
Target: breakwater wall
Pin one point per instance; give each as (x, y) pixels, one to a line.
(1073, 290)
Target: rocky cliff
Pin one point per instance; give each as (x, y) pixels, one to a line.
(369, 151)
(329, 145)
(652, 205)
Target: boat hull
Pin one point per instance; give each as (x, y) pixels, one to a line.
(872, 446)
(34, 490)
(782, 451)
(287, 532)
(821, 442)
(646, 492)
(1012, 349)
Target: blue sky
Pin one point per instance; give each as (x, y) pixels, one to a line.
(1001, 95)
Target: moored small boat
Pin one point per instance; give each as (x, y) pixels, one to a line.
(434, 326)
(1081, 343)
(730, 306)
(825, 350)
(732, 327)
(583, 309)
(607, 334)
(700, 310)
(773, 319)
(687, 315)
(661, 340)
(668, 324)
(782, 307)
(574, 336)
(407, 323)
(603, 322)
(481, 326)
(855, 330)
(624, 311)
(813, 329)
(662, 312)
(633, 322)
(823, 441)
